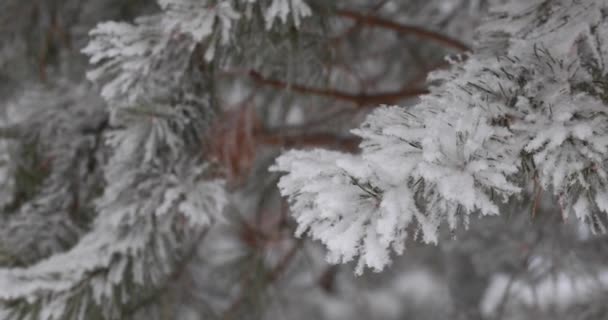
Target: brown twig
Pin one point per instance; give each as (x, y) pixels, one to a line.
(282, 265)
(328, 278)
(376, 21)
(360, 100)
(537, 195)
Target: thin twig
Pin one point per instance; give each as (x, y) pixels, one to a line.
(282, 265)
(402, 28)
(360, 100)
(537, 194)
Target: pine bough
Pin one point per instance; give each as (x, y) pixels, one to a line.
(529, 104)
(148, 191)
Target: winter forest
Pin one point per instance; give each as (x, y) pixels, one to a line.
(303, 159)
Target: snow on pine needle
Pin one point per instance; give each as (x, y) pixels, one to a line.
(407, 175)
(148, 59)
(158, 195)
(281, 9)
(532, 108)
(157, 200)
(138, 62)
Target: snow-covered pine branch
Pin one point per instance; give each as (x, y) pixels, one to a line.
(48, 182)
(157, 199)
(148, 59)
(528, 104)
(152, 194)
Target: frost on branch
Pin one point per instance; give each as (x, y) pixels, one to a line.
(157, 196)
(280, 9)
(202, 21)
(155, 203)
(137, 63)
(154, 197)
(362, 205)
(147, 60)
(48, 181)
(557, 75)
(338, 200)
(529, 104)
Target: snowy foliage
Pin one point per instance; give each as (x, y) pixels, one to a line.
(155, 201)
(137, 62)
(109, 187)
(144, 193)
(41, 170)
(148, 59)
(527, 105)
(282, 9)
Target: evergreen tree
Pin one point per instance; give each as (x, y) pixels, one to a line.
(142, 143)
